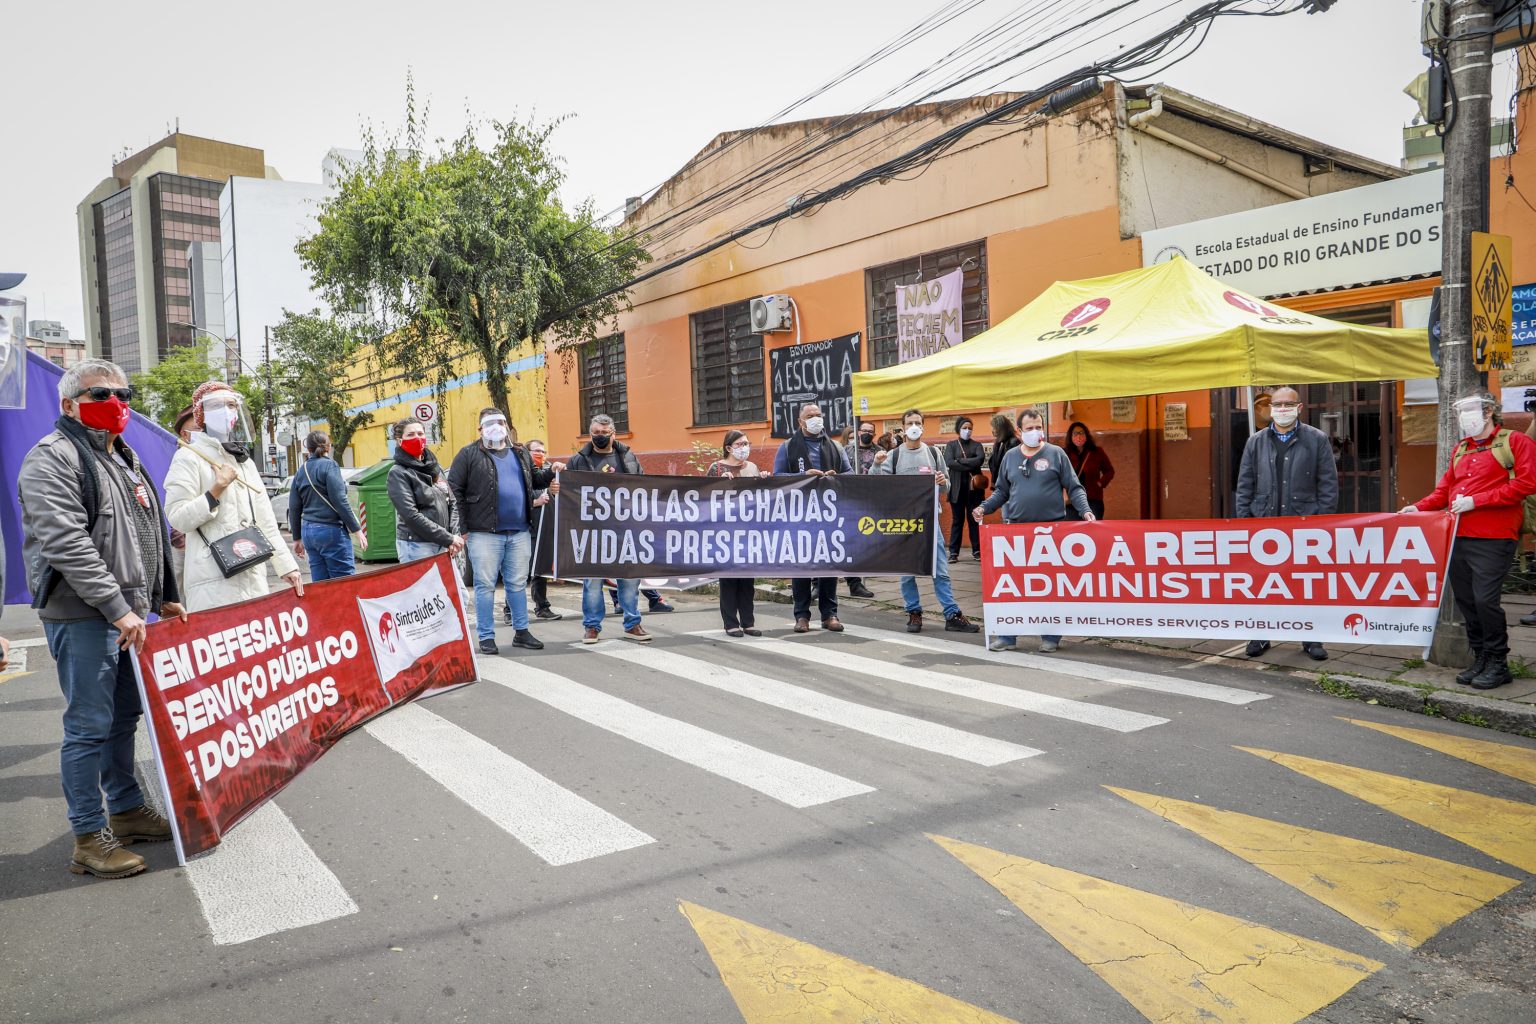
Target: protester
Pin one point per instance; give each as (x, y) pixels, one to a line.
(98, 556)
(1029, 484)
(1004, 439)
(538, 586)
(737, 609)
(963, 457)
(421, 497)
(1287, 470)
(1492, 472)
(319, 516)
(605, 454)
(914, 458)
(1092, 466)
(5, 645)
(182, 428)
(861, 459)
(810, 452)
(493, 482)
(213, 490)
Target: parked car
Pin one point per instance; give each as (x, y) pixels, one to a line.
(279, 489)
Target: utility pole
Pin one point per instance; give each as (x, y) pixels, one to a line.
(1466, 48)
(266, 373)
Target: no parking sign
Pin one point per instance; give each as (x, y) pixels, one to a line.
(426, 414)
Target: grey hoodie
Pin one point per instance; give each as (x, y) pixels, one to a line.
(1029, 488)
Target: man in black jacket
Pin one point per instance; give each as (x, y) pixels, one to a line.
(605, 454)
(493, 481)
(1287, 470)
(810, 452)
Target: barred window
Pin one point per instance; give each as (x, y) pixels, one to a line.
(880, 294)
(604, 383)
(728, 379)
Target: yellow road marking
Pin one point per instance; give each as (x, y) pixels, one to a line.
(1517, 762)
(1505, 829)
(6, 677)
(1405, 898)
(1173, 961)
(776, 978)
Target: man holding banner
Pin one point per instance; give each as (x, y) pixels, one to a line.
(99, 560)
(809, 452)
(1028, 489)
(914, 458)
(1492, 472)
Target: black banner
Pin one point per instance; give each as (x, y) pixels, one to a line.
(645, 526)
(820, 372)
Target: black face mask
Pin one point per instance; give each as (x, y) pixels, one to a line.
(240, 451)
(601, 441)
(867, 440)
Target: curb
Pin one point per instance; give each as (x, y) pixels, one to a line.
(1488, 712)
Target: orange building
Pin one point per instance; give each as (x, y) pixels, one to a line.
(1015, 206)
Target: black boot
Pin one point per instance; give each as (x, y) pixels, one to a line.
(1472, 671)
(1495, 673)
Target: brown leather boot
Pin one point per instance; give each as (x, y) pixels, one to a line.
(139, 825)
(100, 854)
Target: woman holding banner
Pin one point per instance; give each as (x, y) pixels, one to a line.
(214, 495)
(420, 495)
(736, 595)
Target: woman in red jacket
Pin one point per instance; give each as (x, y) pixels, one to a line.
(1492, 471)
(1092, 466)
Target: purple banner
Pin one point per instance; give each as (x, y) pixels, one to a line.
(20, 429)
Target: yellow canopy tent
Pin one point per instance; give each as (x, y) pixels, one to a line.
(1164, 328)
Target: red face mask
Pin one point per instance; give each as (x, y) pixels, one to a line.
(538, 458)
(111, 415)
(414, 446)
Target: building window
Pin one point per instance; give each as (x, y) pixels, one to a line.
(728, 385)
(603, 383)
(880, 294)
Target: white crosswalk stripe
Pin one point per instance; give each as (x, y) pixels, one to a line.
(556, 824)
(835, 658)
(903, 729)
(1066, 667)
(791, 782)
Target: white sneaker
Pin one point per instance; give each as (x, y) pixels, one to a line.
(1049, 646)
(1001, 644)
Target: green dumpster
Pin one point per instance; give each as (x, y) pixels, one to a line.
(369, 493)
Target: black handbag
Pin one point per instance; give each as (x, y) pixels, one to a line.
(244, 549)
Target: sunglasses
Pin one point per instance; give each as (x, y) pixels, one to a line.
(100, 394)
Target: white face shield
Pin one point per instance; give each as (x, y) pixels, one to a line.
(1471, 415)
(225, 418)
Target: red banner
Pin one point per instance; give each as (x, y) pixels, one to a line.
(241, 699)
(1368, 579)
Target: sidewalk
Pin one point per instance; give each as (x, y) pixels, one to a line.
(1399, 665)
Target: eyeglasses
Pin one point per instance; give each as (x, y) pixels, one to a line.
(1284, 405)
(100, 394)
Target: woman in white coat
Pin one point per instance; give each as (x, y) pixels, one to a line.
(206, 500)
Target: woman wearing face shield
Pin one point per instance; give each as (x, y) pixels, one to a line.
(212, 490)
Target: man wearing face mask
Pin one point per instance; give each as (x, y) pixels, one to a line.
(538, 586)
(914, 458)
(1287, 470)
(811, 452)
(213, 490)
(1030, 482)
(1492, 472)
(606, 454)
(97, 557)
(493, 482)
(861, 459)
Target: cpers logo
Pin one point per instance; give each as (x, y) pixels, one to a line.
(1079, 320)
(870, 525)
(1265, 313)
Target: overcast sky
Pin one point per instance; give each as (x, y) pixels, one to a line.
(647, 85)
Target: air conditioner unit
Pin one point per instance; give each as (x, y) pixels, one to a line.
(771, 313)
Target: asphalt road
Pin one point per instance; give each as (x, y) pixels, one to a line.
(866, 827)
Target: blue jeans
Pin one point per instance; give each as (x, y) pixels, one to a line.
(329, 550)
(410, 550)
(101, 712)
(941, 587)
(593, 606)
(506, 555)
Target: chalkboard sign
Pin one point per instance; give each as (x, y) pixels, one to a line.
(820, 372)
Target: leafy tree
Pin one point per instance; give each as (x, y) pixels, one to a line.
(316, 352)
(167, 389)
(469, 252)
